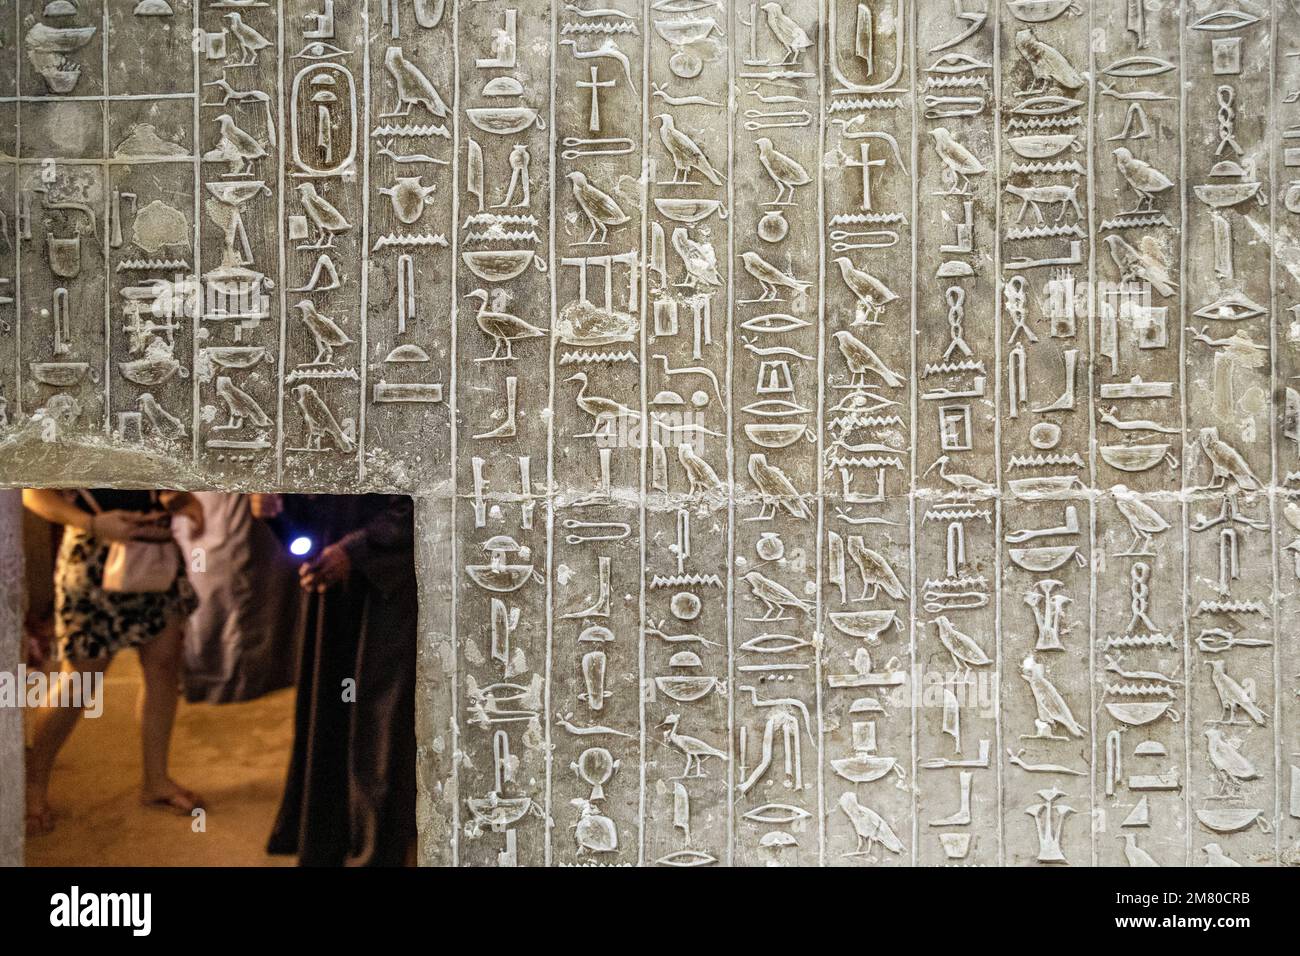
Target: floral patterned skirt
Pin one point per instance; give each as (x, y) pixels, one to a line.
(93, 623)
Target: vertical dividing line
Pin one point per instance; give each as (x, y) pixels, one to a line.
(284, 330)
(1182, 397)
(17, 397)
(914, 407)
(195, 50)
(1095, 496)
(729, 420)
(997, 414)
(454, 429)
(823, 53)
(364, 323)
(646, 175)
(106, 170)
(550, 421)
(1273, 486)
(727, 412)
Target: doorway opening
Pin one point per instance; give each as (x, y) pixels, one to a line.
(294, 730)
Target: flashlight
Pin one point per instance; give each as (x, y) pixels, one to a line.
(298, 542)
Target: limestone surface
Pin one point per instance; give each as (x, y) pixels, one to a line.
(846, 432)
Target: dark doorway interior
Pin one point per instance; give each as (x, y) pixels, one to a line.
(295, 722)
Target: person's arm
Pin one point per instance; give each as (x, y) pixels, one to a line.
(184, 504)
(56, 509)
(114, 525)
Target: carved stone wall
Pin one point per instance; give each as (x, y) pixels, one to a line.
(847, 431)
(11, 718)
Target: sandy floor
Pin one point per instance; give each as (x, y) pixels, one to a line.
(234, 755)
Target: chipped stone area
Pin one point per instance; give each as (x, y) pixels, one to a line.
(846, 432)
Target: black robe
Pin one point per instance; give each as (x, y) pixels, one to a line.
(350, 795)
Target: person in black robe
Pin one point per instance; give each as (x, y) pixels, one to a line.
(350, 795)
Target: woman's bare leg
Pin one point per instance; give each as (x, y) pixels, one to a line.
(160, 660)
(54, 725)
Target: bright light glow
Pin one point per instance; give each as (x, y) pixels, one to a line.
(300, 546)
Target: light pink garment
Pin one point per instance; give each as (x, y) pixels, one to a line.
(240, 642)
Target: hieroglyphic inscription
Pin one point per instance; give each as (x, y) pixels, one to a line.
(869, 426)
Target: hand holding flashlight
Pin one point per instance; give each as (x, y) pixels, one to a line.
(332, 567)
